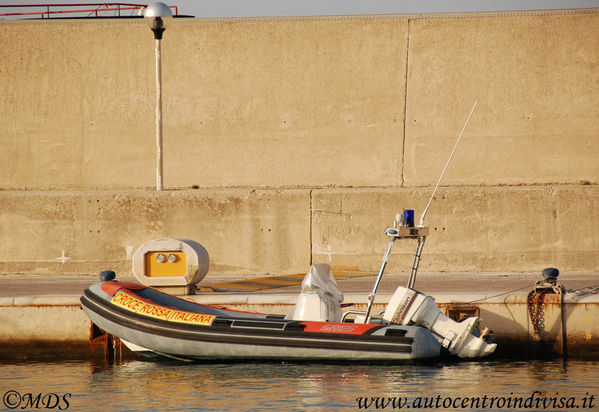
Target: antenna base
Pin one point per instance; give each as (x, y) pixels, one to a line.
(404, 232)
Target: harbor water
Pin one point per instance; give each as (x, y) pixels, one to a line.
(132, 384)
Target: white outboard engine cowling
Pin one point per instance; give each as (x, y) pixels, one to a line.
(320, 299)
(463, 339)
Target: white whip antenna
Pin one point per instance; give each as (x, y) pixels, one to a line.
(421, 223)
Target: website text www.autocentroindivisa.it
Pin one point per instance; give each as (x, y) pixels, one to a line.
(535, 401)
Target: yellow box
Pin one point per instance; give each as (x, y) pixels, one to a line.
(166, 263)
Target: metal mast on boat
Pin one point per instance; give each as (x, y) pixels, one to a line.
(407, 230)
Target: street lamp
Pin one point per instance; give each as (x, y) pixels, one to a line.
(156, 15)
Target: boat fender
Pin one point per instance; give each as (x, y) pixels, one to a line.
(107, 275)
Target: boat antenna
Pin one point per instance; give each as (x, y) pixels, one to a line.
(421, 222)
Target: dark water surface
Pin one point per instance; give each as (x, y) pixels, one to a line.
(150, 386)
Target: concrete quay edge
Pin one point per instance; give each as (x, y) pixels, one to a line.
(444, 287)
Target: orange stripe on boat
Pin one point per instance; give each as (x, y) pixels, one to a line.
(112, 287)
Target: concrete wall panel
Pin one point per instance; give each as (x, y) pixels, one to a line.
(30, 324)
(472, 229)
(537, 121)
(76, 105)
(245, 232)
(288, 102)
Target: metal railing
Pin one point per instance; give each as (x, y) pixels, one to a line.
(82, 9)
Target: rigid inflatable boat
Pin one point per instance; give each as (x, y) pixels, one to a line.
(154, 323)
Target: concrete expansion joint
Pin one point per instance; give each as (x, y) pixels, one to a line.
(300, 19)
(310, 189)
(274, 189)
(78, 21)
(515, 13)
(402, 178)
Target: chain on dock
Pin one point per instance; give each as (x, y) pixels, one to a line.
(536, 309)
(536, 312)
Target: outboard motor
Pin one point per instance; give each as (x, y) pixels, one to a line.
(320, 299)
(463, 339)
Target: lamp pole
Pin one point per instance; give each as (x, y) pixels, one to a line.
(155, 14)
(159, 162)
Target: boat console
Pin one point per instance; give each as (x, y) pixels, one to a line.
(320, 298)
(409, 307)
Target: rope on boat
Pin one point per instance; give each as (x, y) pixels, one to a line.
(587, 290)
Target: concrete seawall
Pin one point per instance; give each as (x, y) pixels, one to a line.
(296, 140)
(280, 231)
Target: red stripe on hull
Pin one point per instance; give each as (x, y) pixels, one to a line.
(337, 327)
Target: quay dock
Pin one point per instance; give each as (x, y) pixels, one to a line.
(43, 315)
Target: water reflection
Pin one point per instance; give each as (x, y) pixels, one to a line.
(134, 384)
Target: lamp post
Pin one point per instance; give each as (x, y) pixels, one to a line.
(156, 14)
